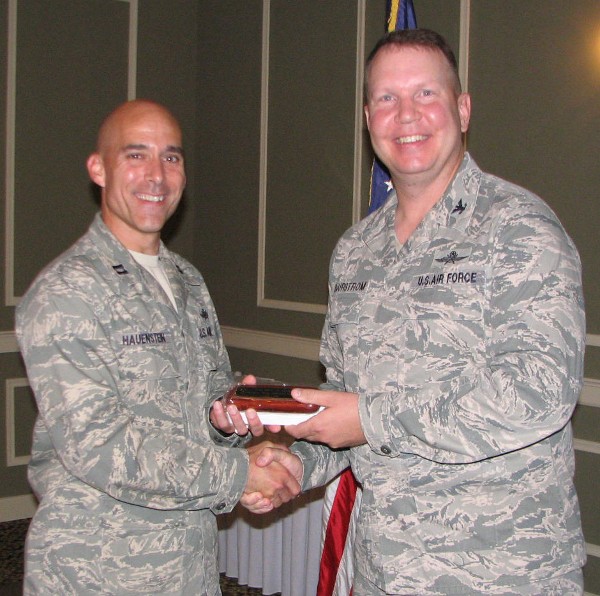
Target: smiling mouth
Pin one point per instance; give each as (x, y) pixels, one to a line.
(410, 139)
(151, 198)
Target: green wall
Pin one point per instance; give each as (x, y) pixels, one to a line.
(278, 150)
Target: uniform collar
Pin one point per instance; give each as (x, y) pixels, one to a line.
(460, 198)
(453, 211)
(122, 271)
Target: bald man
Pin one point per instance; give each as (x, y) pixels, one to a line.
(125, 356)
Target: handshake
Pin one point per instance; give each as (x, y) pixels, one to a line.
(274, 477)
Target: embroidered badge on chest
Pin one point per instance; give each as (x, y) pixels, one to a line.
(147, 337)
(350, 286)
(205, 329)
(453, 256)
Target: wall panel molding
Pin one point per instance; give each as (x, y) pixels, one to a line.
(11, 458)
(8, 342)
(358, 111)
(10, 299)
(132, 53)
(262, 299)
(593, 549)
(20, 507)
(464, 44)
(271, 343)
(590, 394)
(9, 160)
(587, 446)
(593, 340)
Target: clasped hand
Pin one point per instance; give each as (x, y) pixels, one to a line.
(337, 425)
(273, 479)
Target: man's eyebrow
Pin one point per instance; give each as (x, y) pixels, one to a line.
(141, 146)
(175, 149)
(135, 146)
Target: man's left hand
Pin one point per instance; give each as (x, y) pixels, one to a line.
(230, 421)
(338, 425)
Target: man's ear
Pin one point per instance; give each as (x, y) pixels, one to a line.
(464, 110)
(95, 167)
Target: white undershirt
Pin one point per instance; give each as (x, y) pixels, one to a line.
(152, 264)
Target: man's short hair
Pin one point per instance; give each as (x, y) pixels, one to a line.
(414, 38)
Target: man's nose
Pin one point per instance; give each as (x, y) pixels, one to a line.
(407, 110)
(155, 171)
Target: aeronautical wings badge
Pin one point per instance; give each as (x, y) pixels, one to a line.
(452, 257)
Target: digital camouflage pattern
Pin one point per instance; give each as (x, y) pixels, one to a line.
(466, 348)
(127, 471)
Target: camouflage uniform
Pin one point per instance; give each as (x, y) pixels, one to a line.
(466, 347)
(125, 465)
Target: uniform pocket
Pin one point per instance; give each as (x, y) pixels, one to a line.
(463, 508)
(443, 328)
(150, 383)
(142, 560)
(148, 361)
(453, 295)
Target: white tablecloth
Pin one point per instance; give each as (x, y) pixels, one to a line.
(279, 551)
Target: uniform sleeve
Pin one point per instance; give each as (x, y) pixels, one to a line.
(135, 457)
(523, 385)
(321, 463)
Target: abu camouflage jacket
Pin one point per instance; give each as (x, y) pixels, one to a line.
(124, 464)
(465, 346)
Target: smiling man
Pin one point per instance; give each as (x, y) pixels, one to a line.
(125, 356)
(415, 114)
(453, 348)
(139, 165)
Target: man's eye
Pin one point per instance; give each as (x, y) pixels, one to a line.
(134, 156)
(173, 158)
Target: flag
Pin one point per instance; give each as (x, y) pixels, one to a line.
(400, 15)
(343, 496)
(340, 508)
